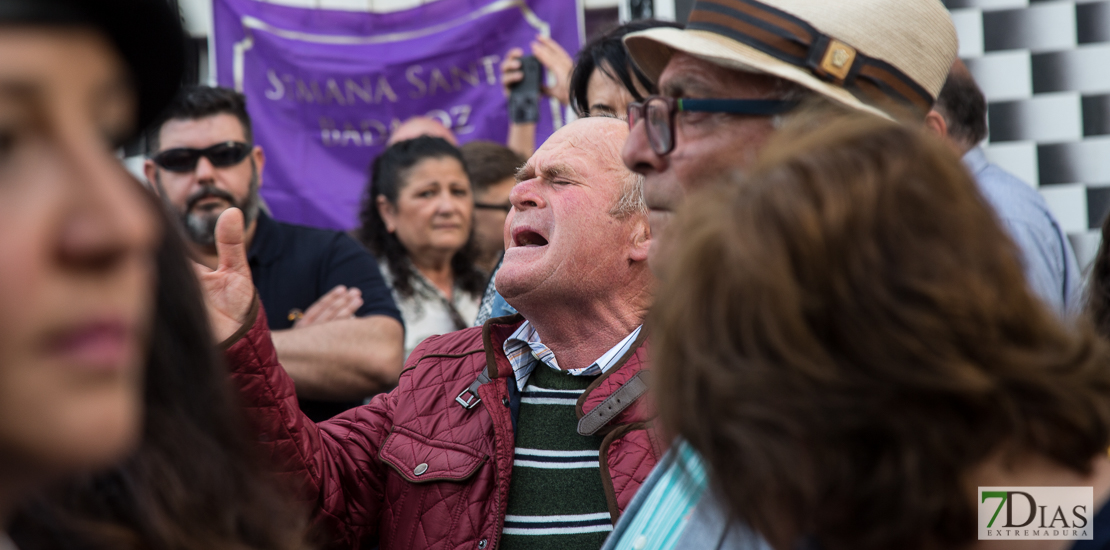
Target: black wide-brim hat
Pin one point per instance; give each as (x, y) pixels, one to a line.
(147, 33)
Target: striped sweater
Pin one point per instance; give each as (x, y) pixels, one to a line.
(556, 498)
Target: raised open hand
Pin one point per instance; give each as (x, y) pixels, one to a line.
(229, 290)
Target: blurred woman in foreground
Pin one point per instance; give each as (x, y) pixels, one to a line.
(195, 482)
(78, 235)
(847, 347)
(417, 218)
(104, 349)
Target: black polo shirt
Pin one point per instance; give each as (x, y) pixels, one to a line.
(293, 266)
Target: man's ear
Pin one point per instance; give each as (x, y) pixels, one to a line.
(150, 170)
(388, 213)
(259, 160)
(641, 240)
(936, 124)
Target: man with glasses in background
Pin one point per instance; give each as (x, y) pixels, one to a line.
(724, 80)
(739, 64)
(336, 328)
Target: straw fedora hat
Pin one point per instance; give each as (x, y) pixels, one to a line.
(865, 54)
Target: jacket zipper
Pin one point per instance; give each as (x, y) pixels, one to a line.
(500, 525)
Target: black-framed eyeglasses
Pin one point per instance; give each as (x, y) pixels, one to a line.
(184, 159)
(658, 112)
(489, 206)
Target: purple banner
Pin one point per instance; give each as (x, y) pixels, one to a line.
(326, 87)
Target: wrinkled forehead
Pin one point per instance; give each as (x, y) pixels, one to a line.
(587, 146)
(687, 75)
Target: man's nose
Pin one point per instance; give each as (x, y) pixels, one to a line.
(204, 170)
(637, 153)
(526, 195)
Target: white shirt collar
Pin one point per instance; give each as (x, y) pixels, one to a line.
(525, 350)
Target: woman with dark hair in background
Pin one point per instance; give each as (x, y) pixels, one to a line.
(195, 482)
(605, 80)
(847, 347)
(601, 81)
(416, 218)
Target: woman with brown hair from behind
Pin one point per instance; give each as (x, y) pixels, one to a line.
(847, 340)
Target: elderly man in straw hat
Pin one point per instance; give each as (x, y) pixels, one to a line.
(739, 63)
(723, 80)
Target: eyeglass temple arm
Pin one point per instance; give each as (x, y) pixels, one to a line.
(737, 106)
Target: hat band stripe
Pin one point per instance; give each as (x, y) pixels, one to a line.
(879, 90)
(881, 71)
(792, 53)
(781, 23)
(794, 41)
(760, 30)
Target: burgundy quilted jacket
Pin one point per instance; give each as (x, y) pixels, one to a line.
(416, 468)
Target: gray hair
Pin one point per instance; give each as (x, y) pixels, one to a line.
(631, 202)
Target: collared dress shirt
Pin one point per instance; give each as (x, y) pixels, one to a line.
(659, 519)
(675, 509)
(1047, 256)
(524, 350)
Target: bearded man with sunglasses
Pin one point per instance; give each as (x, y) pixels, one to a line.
(338, 332)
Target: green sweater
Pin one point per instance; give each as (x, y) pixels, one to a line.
(556, 499)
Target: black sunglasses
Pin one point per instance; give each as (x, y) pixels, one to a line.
(184, 159)
(659, 111)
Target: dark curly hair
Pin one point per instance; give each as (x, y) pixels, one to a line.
(388, 175)
(607, 53)
(846, 336)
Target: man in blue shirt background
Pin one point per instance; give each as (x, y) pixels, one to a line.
(960, 116)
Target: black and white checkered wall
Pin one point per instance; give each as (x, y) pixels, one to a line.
(1045, 69)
